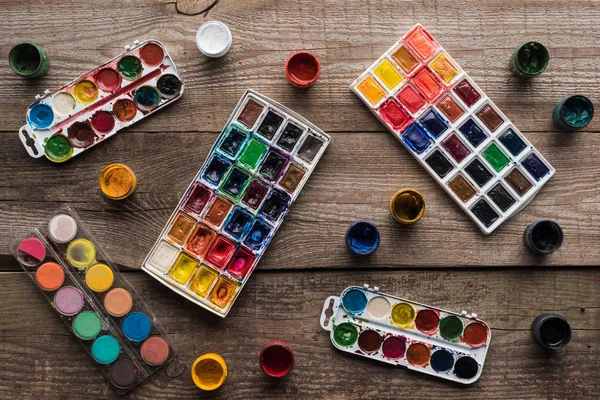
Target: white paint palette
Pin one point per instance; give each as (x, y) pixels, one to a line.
(90, 109)
(236, 203)
(453, 129)
(397, 331)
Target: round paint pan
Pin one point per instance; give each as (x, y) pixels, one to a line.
(146, 98)
(63, 104)
(108, 80)
(103, 122)
(362, 237)
(403, 314)
(40, 116)
(124, 374)
(442, 360)
(58, 149)
(62, 228)
(50, 276)
(87, 325)
(475, 334)
(124, 110)
(379, 307)
(451, 327)
(354, 301)
(155, 351)
(152, 54)
(407, 206)
(118, 302)
(213, 39)
(99, 277)
(81, 135)
(529, 60)
(427, 321)
(169, 86)
(369, 341)
(573, 112)
(209, 371)
(418, 354)
(551, 331)
(302, 69)
(543, 236)
(31, 252)
(130, 67)
(276, 359)
(85, 92)
(68, 300)
(394, 347)
(81, 253)
(136, 326)
(345, 335)
(106, 349)
(466, 368)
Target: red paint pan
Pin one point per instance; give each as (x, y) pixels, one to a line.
(276, 358)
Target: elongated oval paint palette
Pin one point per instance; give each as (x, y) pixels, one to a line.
(402, 332)
(101, 102)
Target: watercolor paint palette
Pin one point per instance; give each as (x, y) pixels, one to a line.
(401, 332)
(453, 129)
(239, 198)
(102, 310)
(66, 122)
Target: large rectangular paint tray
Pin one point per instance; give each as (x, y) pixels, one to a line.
(86, 111)
(453, 129)
(235, 204)
(426, 339)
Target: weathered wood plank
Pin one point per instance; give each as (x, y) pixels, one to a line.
(40, 358)
(347, 39)
(351, 181)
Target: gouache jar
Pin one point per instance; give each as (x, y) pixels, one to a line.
(302, 69)
(529, 60)
(543, 236)
(573, 112)
(362, 237)
(209, 371)
(407, 206)
(276, 358)
(28, 60)
(551, 331)
(117, 181)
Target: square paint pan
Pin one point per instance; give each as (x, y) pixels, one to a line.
(402, 332)
(426, 100)
(102, 310)
(228, 215)
(86, 111)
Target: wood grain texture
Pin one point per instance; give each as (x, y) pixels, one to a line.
(40, 358)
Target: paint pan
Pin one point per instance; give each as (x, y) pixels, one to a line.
(453, 129)
(102, 310)
(362, 237)
(551, 331)
(407, 206)
(529, 60)
(209, 371)
(573, 112)
(276, 359)
(67, 121)
(28, 60)
(227, 217)
(402, 332)
(302, 69)
(543, 236)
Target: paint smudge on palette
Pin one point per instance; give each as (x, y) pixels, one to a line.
(101, 102)
(102, 310)
(401, 332)
(235, 205)
(453, 129)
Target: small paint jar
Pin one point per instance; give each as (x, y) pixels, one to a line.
(529, 60)
(302, 69)
(117, 181)
(573, 112)
(362, 237)
(28, 60)
(551, 331)
(543, 236)
(209, 371)
(276, 358)
(213, 39)
(407, 206)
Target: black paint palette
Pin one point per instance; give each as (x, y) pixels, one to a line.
(235, 205)
(401, 332)
(453, 129)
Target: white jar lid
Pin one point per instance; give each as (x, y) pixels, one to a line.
(213, 39)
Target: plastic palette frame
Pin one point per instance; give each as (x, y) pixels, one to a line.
(288, 116)
(37, 137)
(93, 301)
(386, 326)
(469, 112)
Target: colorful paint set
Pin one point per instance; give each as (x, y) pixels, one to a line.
(98, 104)
(402, 332)
(453, 129)
(102, 310)
(233, 207)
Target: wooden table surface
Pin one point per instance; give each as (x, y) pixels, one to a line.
(443, 260)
